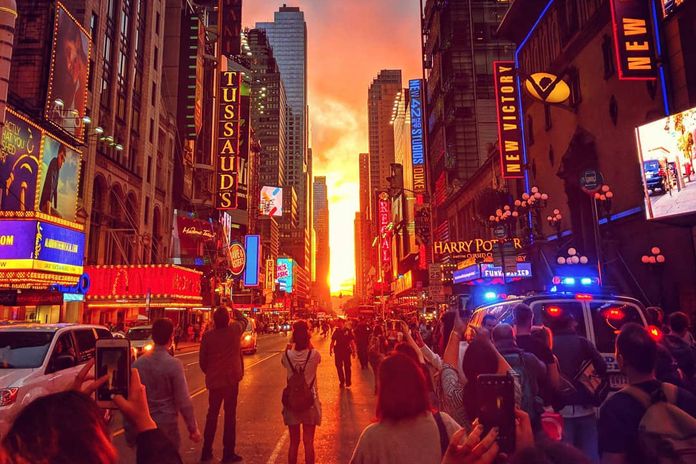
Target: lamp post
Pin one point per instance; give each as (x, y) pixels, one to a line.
(656, 261)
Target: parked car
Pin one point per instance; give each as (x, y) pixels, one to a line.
(141, 340)
(39, 359)
(599, 318)
(653, 179)
(250, 338)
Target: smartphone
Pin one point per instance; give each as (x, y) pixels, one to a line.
(112, 359)
(497, 408)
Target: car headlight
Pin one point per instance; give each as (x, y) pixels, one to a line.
(148, 347)
(247, 338)
(8, 396)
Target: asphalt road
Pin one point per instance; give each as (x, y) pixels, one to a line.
(261, 435)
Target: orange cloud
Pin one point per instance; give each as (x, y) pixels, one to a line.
(348, 44)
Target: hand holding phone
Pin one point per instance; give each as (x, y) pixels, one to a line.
(113, 362)
(496, 396)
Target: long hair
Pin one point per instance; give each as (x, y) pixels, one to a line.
(300, 335)
(62, 428)
(480, 358)
(402, 392)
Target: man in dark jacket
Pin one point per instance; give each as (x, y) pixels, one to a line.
(221, 362)
(362, 341)
(678, 344)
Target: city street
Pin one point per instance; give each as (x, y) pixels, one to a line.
(261, 435)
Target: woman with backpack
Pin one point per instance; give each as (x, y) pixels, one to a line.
(301, 406)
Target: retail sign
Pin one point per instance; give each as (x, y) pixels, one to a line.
(415, 90)
(271, 201)
(228, 118)
(285, 274)
(491, 271)
(383, 221)
(270, 275)
(40, 246)
(237, 258)
(230, 17)
(509, 125)
(252, 244)
(546, 87)
(467, 274)
(633, 39)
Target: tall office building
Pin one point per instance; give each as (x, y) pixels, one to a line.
(380, 103)
(460, 47)
(368, 255)
(321, 227)
(287, 35)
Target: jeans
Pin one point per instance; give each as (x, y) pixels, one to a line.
(362, 355)
(215, 399)
(581, 432)
(171, 431)
(343, 367)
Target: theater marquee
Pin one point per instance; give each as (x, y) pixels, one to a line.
(509, 126)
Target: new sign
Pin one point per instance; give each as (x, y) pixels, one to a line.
(417, 150)
(228, 140)
(633, 39)
(509, 127)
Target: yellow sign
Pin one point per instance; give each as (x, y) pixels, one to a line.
(548, 88)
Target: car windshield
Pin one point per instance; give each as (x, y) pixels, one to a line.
(608, 318)
(139, 334)
(23, 350)
(652, 165)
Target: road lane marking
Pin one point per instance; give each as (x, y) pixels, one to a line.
(180, 355)
(191, 364)
(278, 448)
(202, 390)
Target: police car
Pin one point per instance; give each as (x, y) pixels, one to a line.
(599, 316)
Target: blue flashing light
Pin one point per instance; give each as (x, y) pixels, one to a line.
(554, 289)
(586, 281)
(490, 295)
(569, 281)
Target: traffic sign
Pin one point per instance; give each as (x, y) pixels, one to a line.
(499, 232)
(591, 180)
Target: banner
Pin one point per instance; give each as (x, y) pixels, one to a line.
(59, 179)
(383, 222)
(509, 127)
(19, 163)
(270, 275)
(633, 39)
(415, 89)
(228, 140)
(271, 201)
(230, 17)
(66, 98)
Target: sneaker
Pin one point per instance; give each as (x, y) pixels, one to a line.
(233, 458)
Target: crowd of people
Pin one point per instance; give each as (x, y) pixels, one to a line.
(430, 383)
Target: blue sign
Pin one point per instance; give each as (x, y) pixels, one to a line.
(415, 92)
(491, 271)
(252, 244)
(467, 274)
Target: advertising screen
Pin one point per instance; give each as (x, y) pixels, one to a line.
(271, 201)
(19, 163)
(59, 179)
(284, 274)
(67, 85)
(666, 152)
(189, 239)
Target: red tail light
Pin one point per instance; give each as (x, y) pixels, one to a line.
(553, 311)
(655, 333)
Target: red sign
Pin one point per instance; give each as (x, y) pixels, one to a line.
(509, 127)
(137, 281)
(237, 258)
(384, 220)
(633, 39)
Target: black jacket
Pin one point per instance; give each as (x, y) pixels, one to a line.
(220, 357)
(572, 352)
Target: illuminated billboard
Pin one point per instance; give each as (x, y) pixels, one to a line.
(384, 218)
(415, 91)
(285, 274)
(633, 39)
(66, 98)
(271, 201)
(37, 245)
(59, 179)
(666, 152)
(228, 140)
(507, 100)
(19, 163)
(252, 244)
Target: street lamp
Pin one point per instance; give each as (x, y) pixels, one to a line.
(656, 261)
(573, 258)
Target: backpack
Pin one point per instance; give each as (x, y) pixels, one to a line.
(666, 433)
(298, 396)
(531, 403)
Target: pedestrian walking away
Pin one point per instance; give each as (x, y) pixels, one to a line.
(221, 361)
(342, 348)
(362, 342)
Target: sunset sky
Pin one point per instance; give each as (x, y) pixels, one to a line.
(349, 42)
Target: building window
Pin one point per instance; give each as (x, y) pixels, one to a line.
(152, 131)
(155, 58)
(157, 23)
(94, 27)
(547, 117)
(90, 76)
(608, 57)
(153, 98)
(149, 168)
(574, 84)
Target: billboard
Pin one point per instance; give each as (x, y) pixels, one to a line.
(189, 239)
(508, 112)
(666, 152)
(633, 39)
(58, 179)
(415, 91)
(40, 246)
(271, 201)
(384, 218)
(252, 244)
(66, 97)
(228, 140)
(230, 16)
(285, 274)
(19, 163)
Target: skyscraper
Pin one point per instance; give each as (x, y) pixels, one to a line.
(321, 226)
(287, 35)
(380, 103)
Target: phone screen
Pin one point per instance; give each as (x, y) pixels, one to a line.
(497, 408)
(113, 361)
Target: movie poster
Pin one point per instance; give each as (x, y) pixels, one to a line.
(19, 163)
(60, 176)
(67, 86)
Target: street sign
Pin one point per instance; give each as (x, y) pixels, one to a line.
(499, 232)
(435, 274)
(591, 180)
